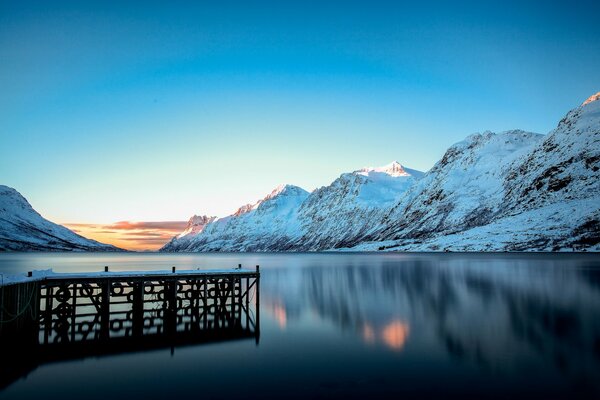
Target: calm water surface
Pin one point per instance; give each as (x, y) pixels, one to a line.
(361, 326)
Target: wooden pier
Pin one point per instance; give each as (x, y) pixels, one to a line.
(65, 316)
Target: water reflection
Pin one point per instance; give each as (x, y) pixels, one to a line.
(278, 311)
(394, 335)
(495, 317)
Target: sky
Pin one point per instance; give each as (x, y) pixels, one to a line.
(142, 112)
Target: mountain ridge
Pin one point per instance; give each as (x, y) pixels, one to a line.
(347, 205)
(513, 190)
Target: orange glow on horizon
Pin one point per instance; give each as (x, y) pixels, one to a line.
(128, 235)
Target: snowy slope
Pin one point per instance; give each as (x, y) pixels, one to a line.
(23, 229)
(269, 224)
(543, 193)
(354, 204)
(464, 189)
(555, 227)
(194, 227)
(564, 167)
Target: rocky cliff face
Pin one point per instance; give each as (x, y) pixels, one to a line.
(565, 166)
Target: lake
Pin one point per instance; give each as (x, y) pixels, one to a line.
(353, 325)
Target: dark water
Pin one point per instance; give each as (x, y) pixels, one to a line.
(362, 326)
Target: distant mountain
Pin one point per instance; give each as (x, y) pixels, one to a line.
(290, 218)
(269, 224)
(23, 229)
(513, 190)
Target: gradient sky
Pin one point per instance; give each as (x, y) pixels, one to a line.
(141, 111)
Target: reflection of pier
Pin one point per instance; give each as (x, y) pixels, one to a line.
(66, 316)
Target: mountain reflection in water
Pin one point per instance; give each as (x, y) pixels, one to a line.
(494, 315)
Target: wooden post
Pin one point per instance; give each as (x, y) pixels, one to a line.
(205, 280)
(231, 314)
(170, 320)
(137, 310)
(247, 291)
(257, 333)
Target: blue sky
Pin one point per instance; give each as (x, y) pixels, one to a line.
(148, 112)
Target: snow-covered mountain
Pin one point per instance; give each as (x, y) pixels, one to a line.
(23, 229)
(269, 224)
(292, 219)
(464, 189)
(342, 213)
(513, 190)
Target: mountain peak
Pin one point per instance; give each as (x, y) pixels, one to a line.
(199, 220)
(393, 169)
(196, 224)
(592, 98)
(278, 190)
(285, 188)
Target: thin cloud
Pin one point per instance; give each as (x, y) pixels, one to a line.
(162, 225)
(146, 240)
(80, 225)
(146, 233)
